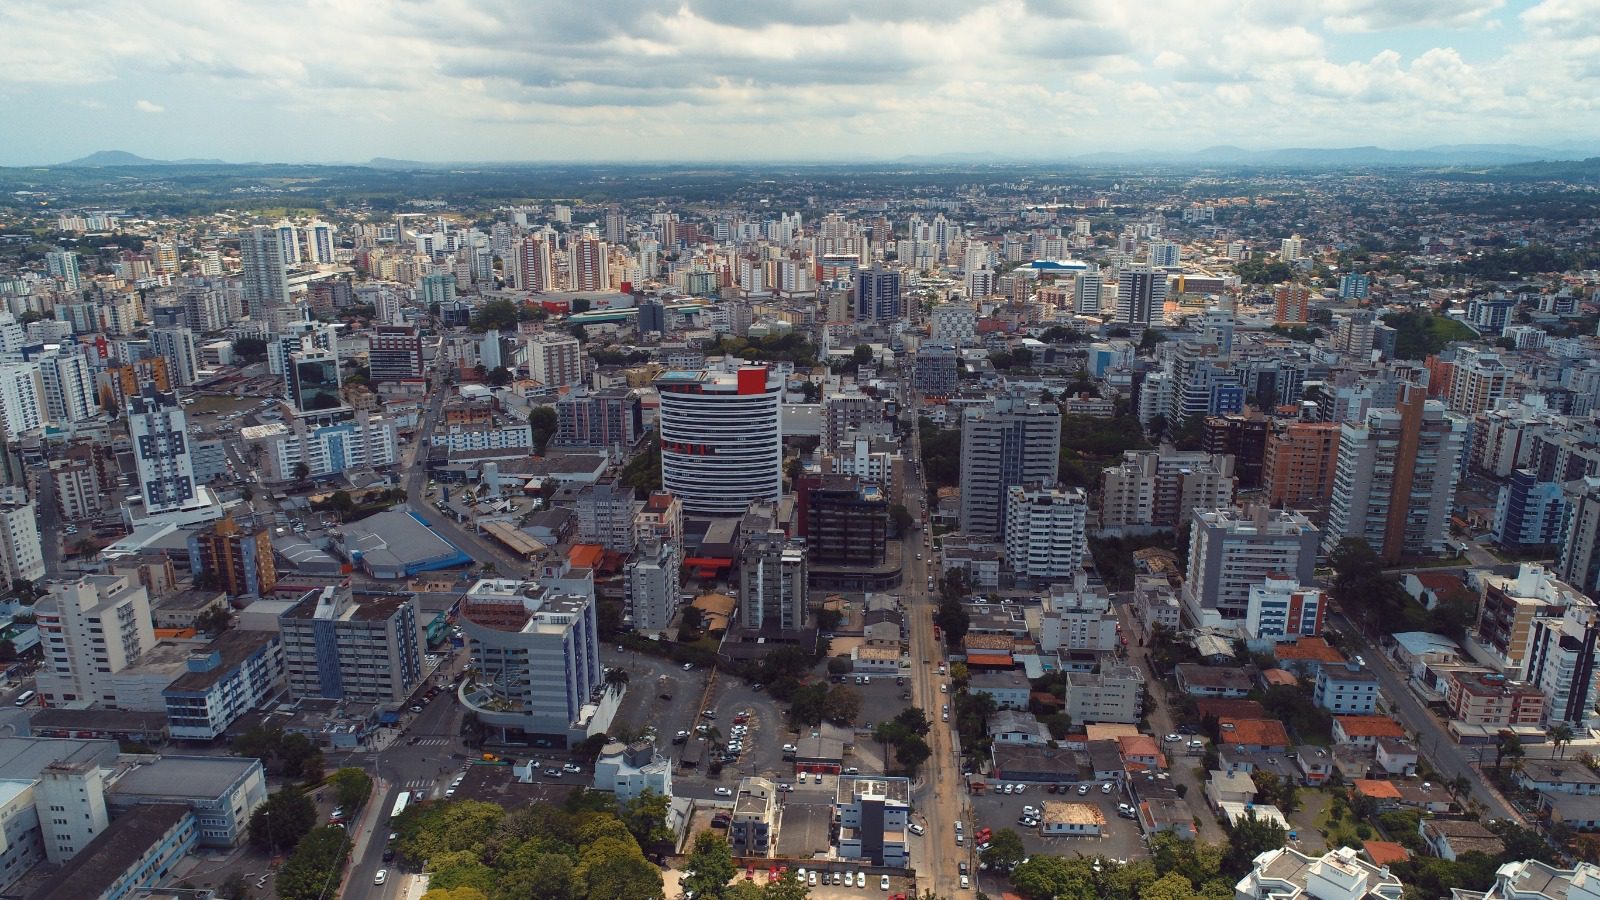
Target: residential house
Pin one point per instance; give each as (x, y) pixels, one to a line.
(1557, 776)
(1365, 731)
(1450, 838)
(1346, 690)
(1213, 681)
(1254, 734)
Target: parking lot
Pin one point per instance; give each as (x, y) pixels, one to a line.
(1121, 838)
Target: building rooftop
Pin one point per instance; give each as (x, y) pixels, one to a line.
(1253, 732)
(397, 539)
(184, 777)
(232, 649)
(1370, 726)
(96, 868)
(854, 787)
(26, 757)
(1059, 813)
(1308, 649)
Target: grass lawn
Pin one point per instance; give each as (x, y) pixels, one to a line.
(1340, 833)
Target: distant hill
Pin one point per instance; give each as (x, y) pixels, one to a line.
(1444, 155)
(107, 158)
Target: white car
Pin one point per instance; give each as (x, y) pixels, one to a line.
(688, 667)
(723, 792)
(572, 768)
(1106, 788)
(381, 877)
(1018, 788)
(861, 879)
(1172, 738)
(965, 882)
(811, 879)
(883, 882)
(838, 878)
(1029, 811)
(1083, 789)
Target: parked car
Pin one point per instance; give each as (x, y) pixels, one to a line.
(723, 792)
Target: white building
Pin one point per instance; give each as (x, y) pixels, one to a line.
(1077, 616)
(327, 443)
(873, 814)
(1010, 441)
(69, 388)
(1046, 530)
(630, 770)
(773, 583)
(22, 406)
(1346, 690)
(366, 648)
(1341, 874)
(21, 556)
(1280, 609)
(652, 586)
(555, 359)
(1113, 695)
(955, 324)
(721, 437)
(539, 658)
(467, 438)
(158, 430)
(90, 629)
(1233, 550)
(237, 673)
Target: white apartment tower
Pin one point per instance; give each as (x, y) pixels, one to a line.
(22, 404)
(1046, 532)
(161, 453)
(773, 582)
(63, 264)
(266, 276)
(90, 629)
(555, 359)
(1232, 551)
(722, 438)
(21, 555)
(1014, 440)
(69, 389)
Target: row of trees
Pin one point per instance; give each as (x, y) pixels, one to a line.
(1375, 599)
(907, 734)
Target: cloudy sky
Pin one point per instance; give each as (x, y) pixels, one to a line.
(347, 80)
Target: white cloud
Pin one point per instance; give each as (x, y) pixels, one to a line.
(509, 79)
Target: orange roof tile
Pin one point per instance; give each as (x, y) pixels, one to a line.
(988, 659)
(1375, 788)
(1255, 732)
(1309, 649)
(1139, 745)
(1279, 676)
(585, 556)
(1385, 853)
(1370, 726)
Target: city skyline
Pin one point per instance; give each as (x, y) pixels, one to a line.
(713, 80)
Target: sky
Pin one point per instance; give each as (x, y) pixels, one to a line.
(785, 80)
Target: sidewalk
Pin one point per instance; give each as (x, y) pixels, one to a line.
(370, 814)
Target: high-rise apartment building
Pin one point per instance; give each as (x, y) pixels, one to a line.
(340, 645)
(1012, 441)
(1280, 608)
(395, 354)
(69, 384)
(266, 274)
(721, 438)
(538, 650)
(533, 268)
(773, 582)
(555, 359)
(319, 241)
(1291, 304)
(1086, 292)
(232, 558)
(1479, 381)
(21, 555)
(1299, 463)
(1157, 489)
(313, 381)
(1242, 436)
(878, 297)
(22, 399)
(1141, 291)
(159, 433)
(1354, 286)
(1046, 533)
(613, 417)
(843, 518)
(1233, 550)
(63, 264)
(1355, 332)
(1578, 563)
(651, 582)
(176, 346)
(588, 268)
(89, 630)
(1395, 479)
(1529, 514)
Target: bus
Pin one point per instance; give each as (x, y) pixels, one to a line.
(400, 804)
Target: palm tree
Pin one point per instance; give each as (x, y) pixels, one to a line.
(1561, 735)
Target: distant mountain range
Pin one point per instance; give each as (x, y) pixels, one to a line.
(1222, 155)
(109, 158)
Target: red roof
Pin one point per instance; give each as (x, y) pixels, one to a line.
(989, 659)
(1255, 733)
(1385, 853)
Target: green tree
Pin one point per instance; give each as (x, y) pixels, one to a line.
(711, 861)
(250, 349)
(1005, 851)
(544, 421)
(899, 517)
(495, 315)
(862, 354)
(842, 705)
(1508, 746)
(351, 788)
(214, 620)
(646, 818)
(278, 824)
(312, 873)
(1560, 734)
(911, 752)
(1249, 838)
(234, 887)
(499, 376)
(301, 471)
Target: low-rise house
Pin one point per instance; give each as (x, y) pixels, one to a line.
(630, 770)
(1141, 751)
(1450, 838)
(1009, 689)
(1072, 819)
(1316, 765)
(1365, 731)
(1307, 655)
(1229, 787)
(1346, 690)
(1254, 734)
(1580, 812)
(1397, 757)
(1534, 880)
(1213, 681)
(1010, 726)
(1041, 765)
(1382, 792)
(1557, 776)
(1340, 874)
(1168, 814)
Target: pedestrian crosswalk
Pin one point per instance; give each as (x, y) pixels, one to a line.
(432, 742)
(418, 784)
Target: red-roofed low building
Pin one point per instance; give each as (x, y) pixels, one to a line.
(1254, 734)
(1365, 731)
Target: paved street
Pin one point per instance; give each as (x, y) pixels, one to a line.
(1448, 757)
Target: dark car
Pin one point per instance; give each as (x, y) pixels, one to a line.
(665, 696)
(388, 854)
